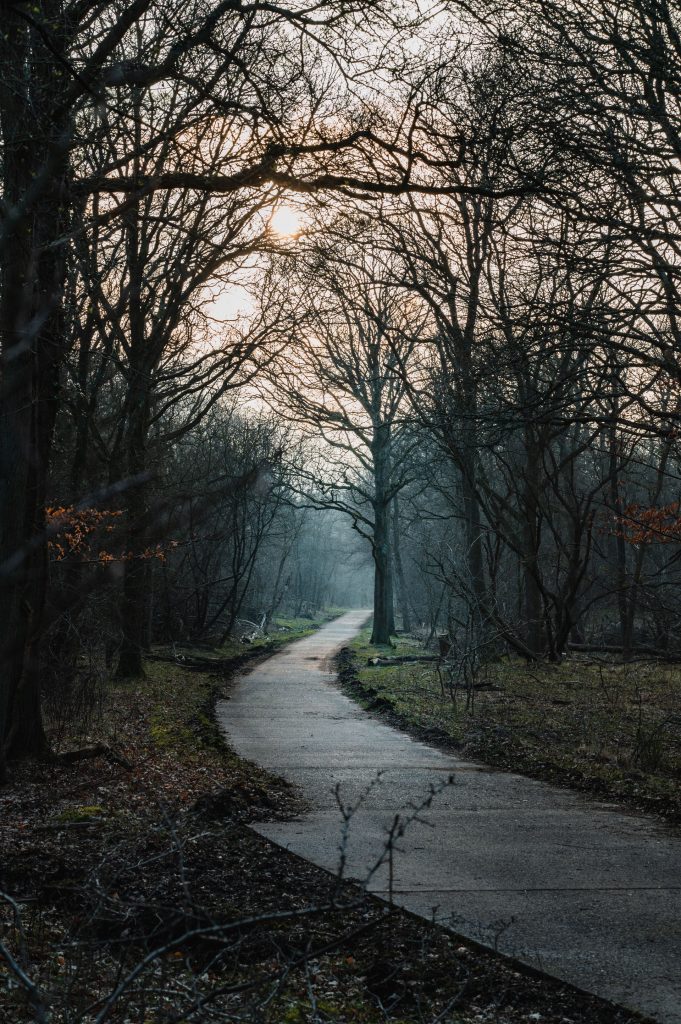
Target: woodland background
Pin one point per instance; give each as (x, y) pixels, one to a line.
(348, 303)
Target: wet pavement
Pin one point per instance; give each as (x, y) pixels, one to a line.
(576, 888)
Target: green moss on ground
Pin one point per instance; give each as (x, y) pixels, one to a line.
(79, 814)
(610, 728)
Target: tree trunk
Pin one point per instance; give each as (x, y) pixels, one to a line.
(383, 583)
(31, 328)
(130, 663)
(384, 621)
(474, 550)
(134, 603)
(399, 568)
(534, 608)
(278, 590)
(382, 586)
(619, 543)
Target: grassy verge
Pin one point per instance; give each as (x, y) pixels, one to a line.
(106, 865)
(611, 729)
(283, 630)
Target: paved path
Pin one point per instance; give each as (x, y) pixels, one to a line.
(583, 891)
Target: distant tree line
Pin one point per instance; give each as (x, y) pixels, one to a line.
(498, 366)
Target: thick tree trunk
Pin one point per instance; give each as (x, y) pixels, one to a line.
(31, 332)
(134, 604)
(134, 609)
(130, 663)
(383, 611)
(384, 622)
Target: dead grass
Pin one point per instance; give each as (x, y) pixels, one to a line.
(614, 729)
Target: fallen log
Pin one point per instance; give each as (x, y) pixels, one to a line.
(653, 652)
(199, 664)
(87, 753)
(404, 660)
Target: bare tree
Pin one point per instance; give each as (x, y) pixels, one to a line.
(342, 380)
(70, 70)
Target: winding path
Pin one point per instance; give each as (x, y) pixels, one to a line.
(585, 892)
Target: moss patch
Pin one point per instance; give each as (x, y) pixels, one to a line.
(79, 814)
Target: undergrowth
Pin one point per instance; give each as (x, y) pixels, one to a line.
(105, 865)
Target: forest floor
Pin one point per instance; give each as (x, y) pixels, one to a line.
(595, 725)
(136, 894)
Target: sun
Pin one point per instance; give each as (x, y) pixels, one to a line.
(286, 221)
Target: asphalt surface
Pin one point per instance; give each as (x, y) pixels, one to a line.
(579, 889)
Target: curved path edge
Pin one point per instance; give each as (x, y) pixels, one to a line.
(576, 889)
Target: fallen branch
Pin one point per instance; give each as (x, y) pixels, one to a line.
(405, 659)
(217, 666)
(86, 753)
(653, 652)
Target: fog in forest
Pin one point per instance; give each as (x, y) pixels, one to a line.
(305, 309)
